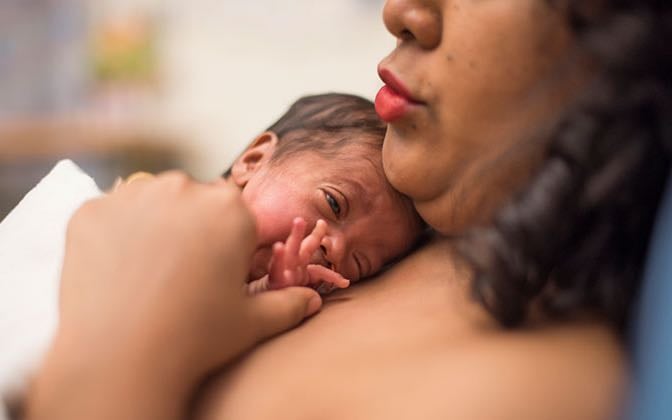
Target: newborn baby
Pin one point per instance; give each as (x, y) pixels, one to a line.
(318, 169)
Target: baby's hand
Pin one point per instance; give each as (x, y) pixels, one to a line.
(290, 264)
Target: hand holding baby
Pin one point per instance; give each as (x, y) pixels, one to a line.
(154, 293)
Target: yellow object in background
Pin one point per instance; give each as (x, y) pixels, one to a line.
(124, 51)
(138, 175)
(131, 178)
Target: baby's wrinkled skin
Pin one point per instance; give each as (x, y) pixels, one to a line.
(357, 222)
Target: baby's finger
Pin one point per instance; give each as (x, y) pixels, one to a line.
(290, 277)
(294, 241)
(296, 277)
(312, 241)
(277, 267)
(319, 273)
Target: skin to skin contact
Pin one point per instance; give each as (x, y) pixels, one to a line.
(486, 78)
(413, 344)
(480, 80)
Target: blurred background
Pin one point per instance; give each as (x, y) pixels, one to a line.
(126, 85)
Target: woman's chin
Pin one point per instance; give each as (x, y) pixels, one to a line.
(404, 164)
(398, 173)
(431, 216)
(451, 217)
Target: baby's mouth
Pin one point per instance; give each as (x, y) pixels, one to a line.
(320, 258)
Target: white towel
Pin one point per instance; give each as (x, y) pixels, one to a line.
(32, 242)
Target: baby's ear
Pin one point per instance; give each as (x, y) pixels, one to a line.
(257, 155)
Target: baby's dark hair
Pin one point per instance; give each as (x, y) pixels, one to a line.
(325, 124)
(576, 239)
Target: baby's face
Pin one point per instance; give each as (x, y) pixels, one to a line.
(368, 224)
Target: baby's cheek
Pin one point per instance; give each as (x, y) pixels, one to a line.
(271, 226)
(275, 227)
(271, 229)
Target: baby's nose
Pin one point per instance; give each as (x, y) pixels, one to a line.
(333, 249)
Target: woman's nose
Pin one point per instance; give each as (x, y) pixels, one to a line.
(414, 20)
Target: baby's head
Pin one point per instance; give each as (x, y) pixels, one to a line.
(323, 160)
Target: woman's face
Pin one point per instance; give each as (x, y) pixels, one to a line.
(469, 87)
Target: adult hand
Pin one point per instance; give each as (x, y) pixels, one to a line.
(153, 297)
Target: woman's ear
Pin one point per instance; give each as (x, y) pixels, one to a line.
(257, 155)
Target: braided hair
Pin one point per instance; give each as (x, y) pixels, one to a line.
(575, 240)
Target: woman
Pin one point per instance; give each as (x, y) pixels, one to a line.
(531, 135)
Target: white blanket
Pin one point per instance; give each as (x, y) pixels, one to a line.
(32, 239)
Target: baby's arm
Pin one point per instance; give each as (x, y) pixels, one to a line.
(290, 264)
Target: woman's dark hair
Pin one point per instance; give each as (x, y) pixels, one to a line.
(326, 123)
(576, 239)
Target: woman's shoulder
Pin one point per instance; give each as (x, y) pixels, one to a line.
(571, 370)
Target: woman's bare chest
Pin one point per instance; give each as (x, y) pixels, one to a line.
(363, 341)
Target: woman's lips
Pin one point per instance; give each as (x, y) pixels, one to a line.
(393, 100)
(390, 106)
